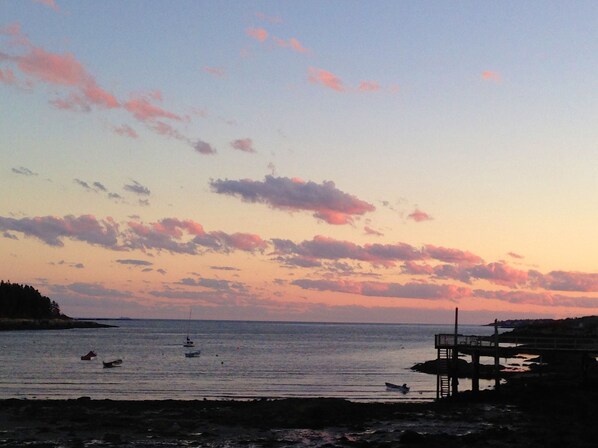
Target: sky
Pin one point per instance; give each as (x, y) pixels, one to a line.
(337, 161)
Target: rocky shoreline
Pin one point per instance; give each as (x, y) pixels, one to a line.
(15, 324)
(526, 414)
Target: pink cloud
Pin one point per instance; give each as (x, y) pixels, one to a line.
(7, 76)
(257, 33)
(368, 86)
(80, 89)
(172, 235)
(61, 70)
(174, 227)
(52, 230)
(49, 3)
(500, 273)
(18, 39)
(489, 75)
(168, 234)
(451, 255)
(410, 267)
(324, 248)
(382, 289)
(514, 255)
(419, 216)
(188, 237)
(241, 241)
(543, 298)
(215, 71)
(53, 68)
(99, 96)
(325, 78)
(245, 145)
(143, 110)
(280, 42)
(296, 45)
(568, 281)
(126, 131)
(325, 200)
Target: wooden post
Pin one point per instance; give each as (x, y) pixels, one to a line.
(455, 366)
(475, 377)
(496, 357)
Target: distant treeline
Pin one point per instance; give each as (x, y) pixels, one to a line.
(23, 301)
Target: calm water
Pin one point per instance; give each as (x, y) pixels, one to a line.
(238, 360)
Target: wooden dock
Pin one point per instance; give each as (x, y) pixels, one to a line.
(450, 346)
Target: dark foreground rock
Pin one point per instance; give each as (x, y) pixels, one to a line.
(464, 368)
(523, 415)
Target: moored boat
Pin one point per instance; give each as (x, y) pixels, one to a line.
(399, 388)
(194, 354)
(89, 356)
(113, 363)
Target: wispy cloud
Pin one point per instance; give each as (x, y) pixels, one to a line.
(213, 283)
(144, 108)
(326, 79)
(95, 290)
(76, 89)
(7, 76)
(259, 34)
(489, 75)
(292, 43)
(23, 171)
(126, 131)
(418, 216)
(326, 201)
(137, 188)
(215, 71)
(368, 86)
(204, 148)
(82, 184)
(49, 3)
(369, 231)
(134, 262)
(244, 144)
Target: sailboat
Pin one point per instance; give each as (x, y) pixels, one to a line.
(188, 341)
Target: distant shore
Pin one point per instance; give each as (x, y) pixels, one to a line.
(16, 324)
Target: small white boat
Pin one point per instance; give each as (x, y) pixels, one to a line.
(188, 343)
(194, 354)
(113, 363)
(402, 388)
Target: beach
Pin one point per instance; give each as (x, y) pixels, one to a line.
(527, 414)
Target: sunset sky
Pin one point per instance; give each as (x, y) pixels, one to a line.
(347, 161)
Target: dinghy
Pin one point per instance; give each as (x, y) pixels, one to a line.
(402, 388)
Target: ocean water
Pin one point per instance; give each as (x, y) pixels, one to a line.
(239, 360)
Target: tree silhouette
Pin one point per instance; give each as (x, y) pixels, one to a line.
(24, 301)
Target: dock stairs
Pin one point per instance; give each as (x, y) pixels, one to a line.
(443, 380)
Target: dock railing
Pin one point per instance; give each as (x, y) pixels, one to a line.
(530, 342)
